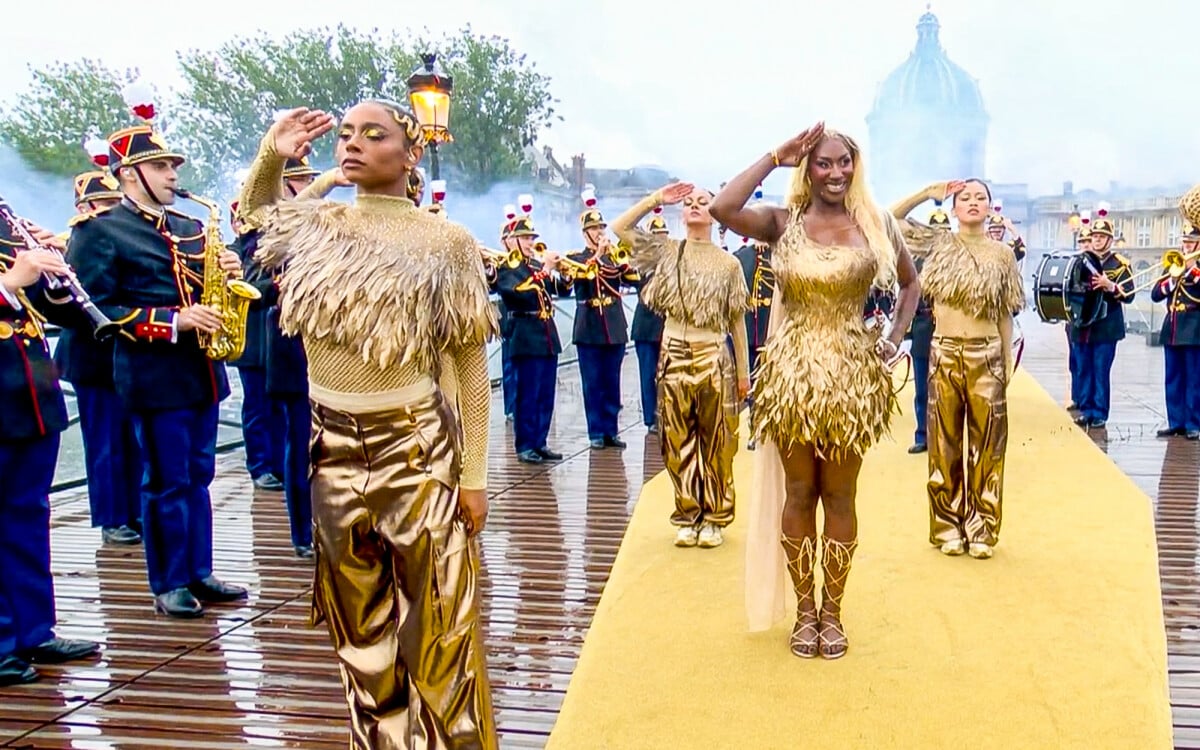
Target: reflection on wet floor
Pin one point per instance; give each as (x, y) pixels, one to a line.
(256, 674)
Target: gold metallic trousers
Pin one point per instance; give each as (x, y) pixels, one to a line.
(396, 578)
(698, 416)
(967, 383)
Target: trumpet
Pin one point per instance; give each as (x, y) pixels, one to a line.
(619, 254)
(1173, 264)
(498, 258)
(577, 270)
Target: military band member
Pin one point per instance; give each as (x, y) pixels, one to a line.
(143, 262)
(601, 331)
(110, 447)
(508, 371)
(755, 258)
(998, 226)
(286, 366)
(528, 286)
(263, 428)
(1180, 337)
(32, 417)
(1083, 244)
(1097, 342)
(646, 332)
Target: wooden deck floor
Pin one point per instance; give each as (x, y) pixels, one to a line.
(257, 675)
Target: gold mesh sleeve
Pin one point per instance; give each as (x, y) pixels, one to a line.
(264, 185)
(320, 187)
(468, 369)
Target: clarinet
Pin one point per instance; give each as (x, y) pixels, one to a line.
(102, 327)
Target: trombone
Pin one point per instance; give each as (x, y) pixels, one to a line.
(1173, 264)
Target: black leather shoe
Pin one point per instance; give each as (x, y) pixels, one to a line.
(268, 483)
(1072, 406)
(613, 442)
(178, 603)
(1192, 435)
(918, 448)
(597, 444)
(548, 454)
(652, 428)
(58, 651)
(213, 591)
(1097, 423)
(530, 457)
(120, 535)
(16, 671)
(304, 551)
(1170, 432)
(1083, 421)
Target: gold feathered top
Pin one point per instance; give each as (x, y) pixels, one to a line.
(706, 291)
(381, 277)
(974, 274)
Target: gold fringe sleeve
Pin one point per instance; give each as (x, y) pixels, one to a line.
(264, 185)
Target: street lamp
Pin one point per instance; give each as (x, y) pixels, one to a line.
(429, 92)
(1074, 221)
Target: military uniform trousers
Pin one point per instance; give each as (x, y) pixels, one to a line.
(397, 577)
(537, 381)
(508, 377)
(967, 382)
(1073, 368)
(600, 373)
(179, 454)
(26, 587)
(1182, 365)
(648, 353)
(920, 367)
(262, 424)
(297, 491)
(112, 456)
(1094, 361)
(697, 396)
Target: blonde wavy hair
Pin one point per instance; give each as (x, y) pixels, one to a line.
(863, 210)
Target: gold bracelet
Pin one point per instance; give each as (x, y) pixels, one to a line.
(774, 157)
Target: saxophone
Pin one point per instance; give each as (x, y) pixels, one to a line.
(231, 298)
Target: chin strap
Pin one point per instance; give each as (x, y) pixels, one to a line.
(137, 169)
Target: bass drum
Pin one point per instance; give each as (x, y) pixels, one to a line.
(1062, 291)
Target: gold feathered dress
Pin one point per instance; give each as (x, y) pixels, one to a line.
(392, 306)
(968, 378)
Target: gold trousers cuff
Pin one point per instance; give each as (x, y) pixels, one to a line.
(396, 578)
(698, 416)
(967, 435)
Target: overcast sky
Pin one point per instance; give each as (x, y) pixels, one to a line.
(1085, 90)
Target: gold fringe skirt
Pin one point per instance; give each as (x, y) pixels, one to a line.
(822, 385)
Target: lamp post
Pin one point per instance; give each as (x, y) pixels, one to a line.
(1074, 222)
(429, 93)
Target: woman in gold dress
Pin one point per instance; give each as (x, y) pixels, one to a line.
(975, 287)
(392, 307)
(823, 393)
(699, 288)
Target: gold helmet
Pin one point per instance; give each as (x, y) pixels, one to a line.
(939, 218)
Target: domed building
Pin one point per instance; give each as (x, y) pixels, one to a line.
(928, 122)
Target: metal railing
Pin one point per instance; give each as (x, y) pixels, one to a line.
(71, 471)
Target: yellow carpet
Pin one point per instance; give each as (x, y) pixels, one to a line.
(1057, 642)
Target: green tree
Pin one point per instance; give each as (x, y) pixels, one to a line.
(230, 94)
(64, 103)
(500, 103)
